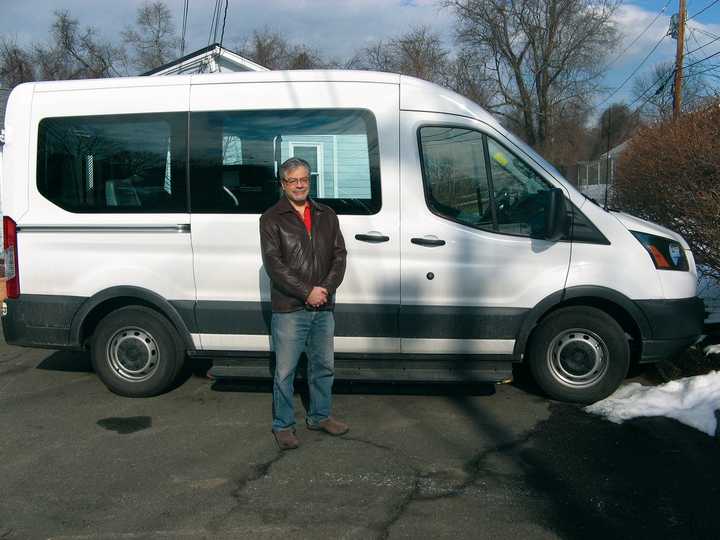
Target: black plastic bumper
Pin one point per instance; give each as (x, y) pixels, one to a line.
(674, 325)
(40, 321)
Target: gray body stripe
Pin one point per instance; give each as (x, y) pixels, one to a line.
(180, 228)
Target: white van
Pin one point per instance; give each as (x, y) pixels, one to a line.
(131, 228)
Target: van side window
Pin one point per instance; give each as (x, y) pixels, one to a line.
(519, 193)
(235, 155)
(455, 173)
(472, 179)
(114, 164)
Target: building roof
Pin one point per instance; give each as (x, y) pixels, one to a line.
(211, 59)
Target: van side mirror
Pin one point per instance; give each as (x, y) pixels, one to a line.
(555, 215)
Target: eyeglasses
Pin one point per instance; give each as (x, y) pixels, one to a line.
(296, 181)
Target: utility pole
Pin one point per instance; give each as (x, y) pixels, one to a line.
(677, 96)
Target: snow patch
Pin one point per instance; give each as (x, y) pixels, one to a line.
(692, 401)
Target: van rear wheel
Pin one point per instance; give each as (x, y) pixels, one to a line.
(136, 352)
(579, 354)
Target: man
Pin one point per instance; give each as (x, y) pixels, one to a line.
(304, 254)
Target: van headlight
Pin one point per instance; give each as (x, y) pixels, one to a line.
(665, 253)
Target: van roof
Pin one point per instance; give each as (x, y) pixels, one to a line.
(222, 78)
(415, 94)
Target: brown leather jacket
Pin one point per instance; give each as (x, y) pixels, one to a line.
(295, 261)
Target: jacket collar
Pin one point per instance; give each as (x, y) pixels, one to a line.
(284, 205)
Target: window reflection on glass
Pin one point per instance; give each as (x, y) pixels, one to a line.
(519, 192)
(235, 155)
(124, 163)
(455, 175)
(511, 199)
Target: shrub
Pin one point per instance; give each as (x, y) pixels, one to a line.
(670, 174)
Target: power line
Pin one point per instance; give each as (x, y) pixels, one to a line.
(217, 20)
(641, 34)
(617, 89)
(705, 32)
(222, 34)
(693, 33)
(711, 4)
(184, 28)
(667, 80)
(703, 46)
(212, 38)
(702, 60)
(670, 76)
(711, 68)
(657, 92)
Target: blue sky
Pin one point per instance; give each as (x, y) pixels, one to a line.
(338, 27)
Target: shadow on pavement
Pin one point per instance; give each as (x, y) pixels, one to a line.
(70, 361)
(358, 388)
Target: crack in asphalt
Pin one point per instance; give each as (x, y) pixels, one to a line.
(422, 482)
(398, 510)
(371, 443)
(257, 471)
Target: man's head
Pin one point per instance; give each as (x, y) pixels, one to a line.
(295, 179)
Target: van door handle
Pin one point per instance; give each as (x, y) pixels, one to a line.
(372, 237)
(429, 242)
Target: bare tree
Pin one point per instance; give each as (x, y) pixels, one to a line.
(654, 90)
(303, 57)
(616, 124)
(267, 48)
(16, 64)
(419, 53)
(546, 56)
(270, 49)
(469, 76)
(74, 52)
(154, 40)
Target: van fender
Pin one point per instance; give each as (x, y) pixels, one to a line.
(558, 298)
(183, 323)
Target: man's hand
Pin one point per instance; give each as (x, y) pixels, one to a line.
(317, 297)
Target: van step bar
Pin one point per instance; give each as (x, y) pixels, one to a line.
(375, 370)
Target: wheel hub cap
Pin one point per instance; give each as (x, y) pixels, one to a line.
(578, 358)
(133, 354)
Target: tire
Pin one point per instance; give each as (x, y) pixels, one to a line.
(579, 354)
(136, 352)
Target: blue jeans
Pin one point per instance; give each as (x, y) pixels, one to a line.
(293, 333)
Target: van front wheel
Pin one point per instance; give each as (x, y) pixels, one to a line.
(136, 352)
(579, 354)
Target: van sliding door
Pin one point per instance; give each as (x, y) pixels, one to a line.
(239, 135)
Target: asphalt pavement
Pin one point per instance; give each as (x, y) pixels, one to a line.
(420, 461)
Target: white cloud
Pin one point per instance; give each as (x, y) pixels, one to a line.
(631, 21)
(336, 28)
